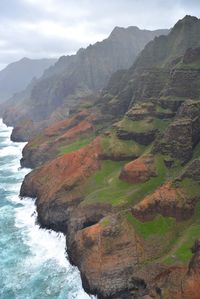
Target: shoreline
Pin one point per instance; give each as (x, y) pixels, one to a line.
(45, 231)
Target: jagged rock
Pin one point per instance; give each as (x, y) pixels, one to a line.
(108, 255)
(177, 140)
(145, 138)
(183, 133)
(191, 109)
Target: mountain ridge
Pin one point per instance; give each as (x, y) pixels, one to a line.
(76, 76)
(17, 75)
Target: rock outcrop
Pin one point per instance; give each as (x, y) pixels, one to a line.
(167, 201)
(70, 170)
(47, 145)
(139, 170)
(108, 255)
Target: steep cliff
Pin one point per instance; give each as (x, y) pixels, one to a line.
(121, 178)
(161, 71)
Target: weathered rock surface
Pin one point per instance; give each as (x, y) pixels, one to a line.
(139, 170)
(108, 257)
(177, 140)
(140, 137)
(45, 146)
(183, 133)
(167, 201)
(58, 184)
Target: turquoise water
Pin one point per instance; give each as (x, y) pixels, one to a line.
(33, 264)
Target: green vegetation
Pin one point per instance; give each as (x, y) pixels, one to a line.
(161, 109)
(105, 185)
(192, 187)
(142, 126)
(158, 226)
(105, 221)
(138, 126)
(183, 253)
(113, 146)
(65, 149)
(160, 124)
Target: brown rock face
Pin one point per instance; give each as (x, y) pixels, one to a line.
(139, 170)
(81, 128)
(108, 255)
(167, 201)
(45, 146)
(61, 126)
(57, 184)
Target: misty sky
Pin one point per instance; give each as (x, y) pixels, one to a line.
(51, 28)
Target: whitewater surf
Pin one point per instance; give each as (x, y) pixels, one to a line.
(33, 262)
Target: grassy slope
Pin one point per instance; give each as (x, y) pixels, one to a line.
(141, 126)
(76, 145)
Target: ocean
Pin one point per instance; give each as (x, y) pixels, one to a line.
(33, 261)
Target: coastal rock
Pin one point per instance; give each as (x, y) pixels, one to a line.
(108, 254)
(58, 183)
(46, 145)
(24, 131)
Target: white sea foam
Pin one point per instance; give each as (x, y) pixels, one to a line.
(45, 246)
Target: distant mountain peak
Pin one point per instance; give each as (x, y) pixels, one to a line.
(187, 20)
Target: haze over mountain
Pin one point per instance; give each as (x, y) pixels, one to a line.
(75, 77)
(17, 75)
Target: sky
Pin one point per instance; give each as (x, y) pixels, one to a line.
(52, 28)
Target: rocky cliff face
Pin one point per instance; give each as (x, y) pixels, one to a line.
(121, 178)
(162, 70)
